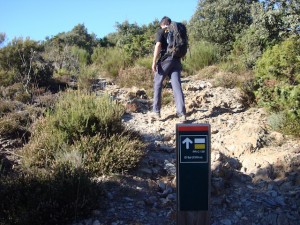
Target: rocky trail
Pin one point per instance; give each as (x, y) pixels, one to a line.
(255, 171)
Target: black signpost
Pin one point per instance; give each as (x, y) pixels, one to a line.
(193, 173)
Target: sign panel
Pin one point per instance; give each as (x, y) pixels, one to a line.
(193, 149)
(193, 167)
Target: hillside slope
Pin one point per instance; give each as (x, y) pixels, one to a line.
(255, 171)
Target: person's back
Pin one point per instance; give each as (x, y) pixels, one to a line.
(165, 65)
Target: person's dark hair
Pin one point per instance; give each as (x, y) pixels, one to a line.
(165, 21)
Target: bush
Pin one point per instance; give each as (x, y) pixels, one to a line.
(120, 154)
(144, 62)
(249, 45)
(58, 198)
(6, 107)
(110, 60)
(15, 124)
(281, 63)
(16, 92)
(77, 132)
(283, 122)
(137, 76)
(278, 80)
(201, 54)
(77, 114)
(23, 62)
(226, 79)
(86, 76)
(7, 77)
(232, 65)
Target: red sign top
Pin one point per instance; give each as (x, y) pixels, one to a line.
(193, 127)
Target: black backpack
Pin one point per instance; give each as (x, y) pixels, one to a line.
(177, 40)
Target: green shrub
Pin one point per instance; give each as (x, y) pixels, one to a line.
(137, 76)
(8, 127)
(144, 62)
(86, 76)
(23, 62)
(6, 107)
(110, 60)
(11, 92)
(226, 79)
(61, 197)
(7, 77)
(119, 154)
(77, 113)
(62, 72)
(249, 45)
(281, 63)
(201, 54)
(82, 55)
(278, 80)
(283, 122)
(15, 124)
(232, 65)
(77, 132)
(248, 92)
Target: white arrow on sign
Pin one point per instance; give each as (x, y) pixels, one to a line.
(187, 142)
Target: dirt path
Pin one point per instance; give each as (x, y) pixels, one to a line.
(255, 172)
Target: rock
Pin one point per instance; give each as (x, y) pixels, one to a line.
(152, 200)
(217, 186)
(255, 171)
(161, 185)
(244, 139)
(96, 222)
(170, 168)
(226, 222)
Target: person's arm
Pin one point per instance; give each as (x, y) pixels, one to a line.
(156, 53)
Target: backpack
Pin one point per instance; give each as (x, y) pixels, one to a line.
(177, 40)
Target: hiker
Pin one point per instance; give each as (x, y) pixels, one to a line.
(165, 64)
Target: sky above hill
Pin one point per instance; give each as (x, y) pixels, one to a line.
(38, 19)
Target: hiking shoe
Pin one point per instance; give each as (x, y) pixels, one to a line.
(182, 119)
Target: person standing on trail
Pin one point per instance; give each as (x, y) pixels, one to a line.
(164, 64)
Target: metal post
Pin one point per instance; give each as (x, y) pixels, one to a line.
(193, 174)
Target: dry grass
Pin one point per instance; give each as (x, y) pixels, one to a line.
(137, 76)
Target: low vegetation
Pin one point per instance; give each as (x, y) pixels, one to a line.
(69, 137)
(80, 131)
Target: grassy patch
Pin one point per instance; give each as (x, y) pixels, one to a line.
(79, 131)
(61, 197)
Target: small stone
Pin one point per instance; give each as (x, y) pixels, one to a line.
(161, 185)
(140, 204)
(151, 200)
(226, 222)
(171, 197)
(96, 222)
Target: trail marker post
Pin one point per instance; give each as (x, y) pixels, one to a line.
(193, 173)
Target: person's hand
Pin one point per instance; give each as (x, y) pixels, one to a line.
(154, 67)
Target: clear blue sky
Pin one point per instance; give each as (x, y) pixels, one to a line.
(38, 19)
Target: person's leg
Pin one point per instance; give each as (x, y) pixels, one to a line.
(158, 83)
(178, 93)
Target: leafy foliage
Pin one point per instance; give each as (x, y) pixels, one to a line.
(136, 41)
(219, 21)
(201, 54)
(273, 21)
(22, 61)
(278, 78)
(61, 197)
(76, 132)
(110, 60)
